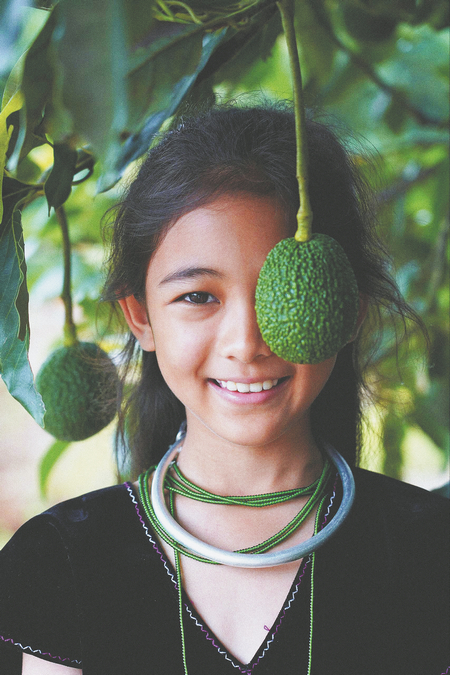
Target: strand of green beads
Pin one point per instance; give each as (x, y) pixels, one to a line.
(181, 485)
(269, 543)
(311, 600)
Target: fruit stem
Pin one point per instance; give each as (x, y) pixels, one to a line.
(304, 214)
(70, 331)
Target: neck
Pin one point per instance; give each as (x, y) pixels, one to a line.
(225, 468)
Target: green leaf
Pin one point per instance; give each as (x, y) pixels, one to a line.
(37, 88)
(59, 183)
(14, 331)
(420, 69)
(173, 52)
(12, 18)
(6, 130)
(91, 47)
(139, 143)
(237, 59)
(48, 461)
(316, 48)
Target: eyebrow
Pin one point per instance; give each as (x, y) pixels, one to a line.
(190, 273)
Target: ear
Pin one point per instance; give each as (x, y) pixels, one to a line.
(135, 313)
(363, 307)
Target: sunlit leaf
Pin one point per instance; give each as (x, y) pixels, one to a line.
(14, 104)
(14, 333)
(37, 83)
(48, 461)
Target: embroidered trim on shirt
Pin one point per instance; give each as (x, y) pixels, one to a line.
(38, 651)
(243, 670)
(247, 670)
(152, 541)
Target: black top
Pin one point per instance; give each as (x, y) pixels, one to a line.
(85, 585)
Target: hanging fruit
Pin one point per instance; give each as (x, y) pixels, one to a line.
(307, 297)
(78, 382)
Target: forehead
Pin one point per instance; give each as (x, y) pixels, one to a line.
(232, 230)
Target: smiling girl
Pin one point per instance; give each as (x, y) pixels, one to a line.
(97, 584)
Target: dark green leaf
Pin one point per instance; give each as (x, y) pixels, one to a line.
(235, 60)
(91, 48)
(37, 87)
(316, 48)
(173, 53)
(14, 333)
(139, 143)
(48, 462)
(368, 26)
(59, 183)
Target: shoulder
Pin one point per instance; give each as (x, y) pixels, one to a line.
(403, 497)
(407, 516)
(76, 522)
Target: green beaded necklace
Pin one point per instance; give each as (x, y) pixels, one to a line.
(176, 483)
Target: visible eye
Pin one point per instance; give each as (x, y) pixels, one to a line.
(198, 298)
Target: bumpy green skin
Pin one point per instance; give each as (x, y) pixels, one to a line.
(79, 387)
(307, 299)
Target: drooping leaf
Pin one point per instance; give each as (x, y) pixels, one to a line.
(139, 143)
(11, 22)
(315, 46)
(48, 461)
(59, 183)
(14, 332)
(91, 50)
(235, 59)
(37, 87)
(173, 53)
(14, 104)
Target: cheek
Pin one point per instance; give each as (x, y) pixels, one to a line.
(314, 377)
(180, 349)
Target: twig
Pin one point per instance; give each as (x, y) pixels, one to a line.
(70, 331)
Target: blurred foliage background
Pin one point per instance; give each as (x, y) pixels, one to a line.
(86, 85)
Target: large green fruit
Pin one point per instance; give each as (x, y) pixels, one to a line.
(79, 387)
(307, 299)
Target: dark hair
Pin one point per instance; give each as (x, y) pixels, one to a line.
(232, 149)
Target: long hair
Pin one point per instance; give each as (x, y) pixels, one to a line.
(235, 150)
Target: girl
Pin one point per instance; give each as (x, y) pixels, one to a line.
(96, 585)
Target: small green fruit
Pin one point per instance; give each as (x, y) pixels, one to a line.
(307, 299)
(79, 387)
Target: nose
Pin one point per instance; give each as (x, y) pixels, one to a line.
(240, 337)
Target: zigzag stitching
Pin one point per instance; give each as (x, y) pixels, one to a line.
(285, 609)
(211, 639)
(247, 671)
(325, 518)
(446, 672)
(152, 541)
(38, 651)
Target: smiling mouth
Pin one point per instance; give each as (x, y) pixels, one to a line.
(248, 388)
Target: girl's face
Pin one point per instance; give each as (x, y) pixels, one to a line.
(200, 318)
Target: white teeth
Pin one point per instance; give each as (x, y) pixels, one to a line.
(245, 388)
(256, 386)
